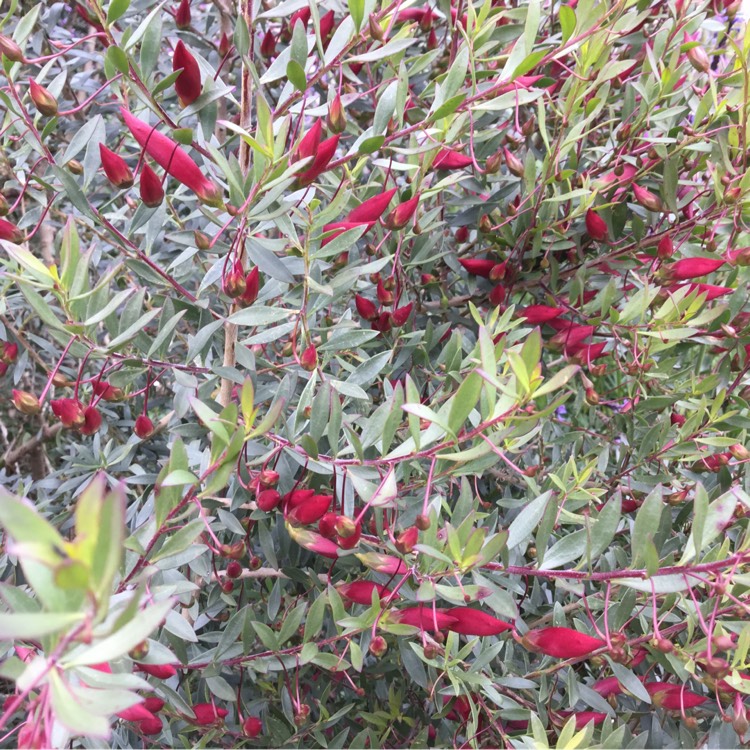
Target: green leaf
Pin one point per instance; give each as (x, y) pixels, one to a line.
(464, 401)
(72, 714)
(296, 75)
(567, 18)
(21, 626)
(718, 516)
(526, 521)
(646, 524)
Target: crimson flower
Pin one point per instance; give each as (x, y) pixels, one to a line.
(309, 358)
(469, 621)
(9, 352)
(92, 421)
(144, 427)
(106, 391)
(168, 155)
(151, 189)
(401, 314)
(314, 542)
(710, 290)
(478, 266)
(371, 209)
(207, 713)
(188, 83)
(424, 618)
(43, 100)
(267, 500)
(537, 314)
(387, 564)
(323, 156)
(447, 159)
(10, 232)
(310, 142)
(673, 697)
(365, 307)
(562, 643)
(252, 287)
(150, 726)
(596, 226)
(402, 214)
(117, 171)
(160, 671)
(69, 411)
(690, 268)
(252, 727)
(310, 511)
(360, 592)
(182, 15)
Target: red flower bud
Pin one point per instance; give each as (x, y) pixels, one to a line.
(402, 214)
(539, 314)
(69, 411)
(406, 540)
(497, 295)
(401, 314)
(302, 16)
(268, 44)
(92, 421)
(252, 727)
(432, 40)
(152, 192)
(268, 478)
(665, 248)
(690, 268)
(9, 352)
(150, 726)
(462, 234)
(144, 427)
(309, 358)
(10, 232)
(26, 403)
(327, 525)
(117, 171)
(45, 103)
(188, 83)
(168, 155)
(383, 323)
(314, 542)
(225, 45)
(447, 159)
(514, 164)
(207, 713)
(378, 646)
(365, 307)
(582, 718)
(153, 704)
(107, 392)
(673, 697)
(297, 497)
(387, 564)
(596, 226)
(267, 500)
(424, 618)
(385, 296)
(310, 142)
(10, 49)
(348, 532)
(136, 713)
(336, 119)
(608, 686)
(478, 266)
(646, 198)
(698, 58)
(326, 27)
(310, 511)
(182, 15)
(371, 209)
(469, 621)
(323, 156)
(360, 592)
(160, 671)
(234, 569)
(562, 643)
(710, 290)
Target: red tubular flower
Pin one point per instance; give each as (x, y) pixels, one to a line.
(297, 497)
(136, 713)
(326, 27)
(153, 704)
(182, 15)
(401, 314)
(188, 83)
(323, 156)
(538, 314)
(252, 287)
(327, 525)
(582, 354)
(383, 323)
(10, 232)
(562, 643)
(371, 209)
(268, 500)
(45, 103)
(144, 427)
(310, 142)
(497, 295)
(92, 421)
(360, 592)
(469, 621)
(168, 155)
(402, 214)
(117, 171)
(608, 686)
(387, 564)
(710, 290)
(447, 159)
(646, 198)
(252, 727)
(160, 671)
(673, 697)
(310, 511)
(690, 268)
(571, 337)
(69, 411)
(584, 717)
(9, 352)
(314, 542)
(150, 726)
(424, 618)
(152, 192)
(365, 307)
(665, 248)
(268, 44)
(478, 266)
(339, 227)
(309, 358)
(596, 226)
(207, 713)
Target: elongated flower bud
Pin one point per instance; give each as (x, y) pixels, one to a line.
(233, 283)
(401, 314)
(308, 146)
(10, 232)
(497, 295)
(665, 248)
(562, 643)
(268, 500)
(327, 23)
(268, 44)
(10, 49)
(336, 119)
(314, 542)
(152, 192)
(160, 671)
(424, 618)
(385, 296)
(26, 403)
(92, 421)
(207, 713)
(252, 726)
(514, 164)
(371, 209)
(45, 103)
(596, 226)
(478, 266)
(673, 697)
(376, 30)
(182, 15)
(168, 155)
(387, 564)
(698, 58)
(9, 352)
(360, 592)
(447, 160)
(402, 214)
(309, 358)
(188, 83)
(365, 307)
(646, 198)
(310, 511)
(537, 314)
(690, 268)
(144, 427)
(469, 621)
(117, 171)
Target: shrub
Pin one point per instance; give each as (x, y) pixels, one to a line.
(374, 376)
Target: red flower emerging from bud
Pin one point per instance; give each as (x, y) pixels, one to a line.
(69, 411)
(117, 171)
(562, 643)
(152, 192)
(144, 427)
(596, 226)
(188, 83)
(311, 511)
(365, 307)
(45, 103)
(402, 214)
(168, 155)
(470, 621)
(26, 403)
(10, 232)
(268, 44)
(536, 314)
(182, 15)
(360, 592)
(309, 358)
(401, 314)
(207, 713)
(424, 618)
(323, 156)
(447, 159)
(92, 421)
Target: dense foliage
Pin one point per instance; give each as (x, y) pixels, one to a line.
(374, 374)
